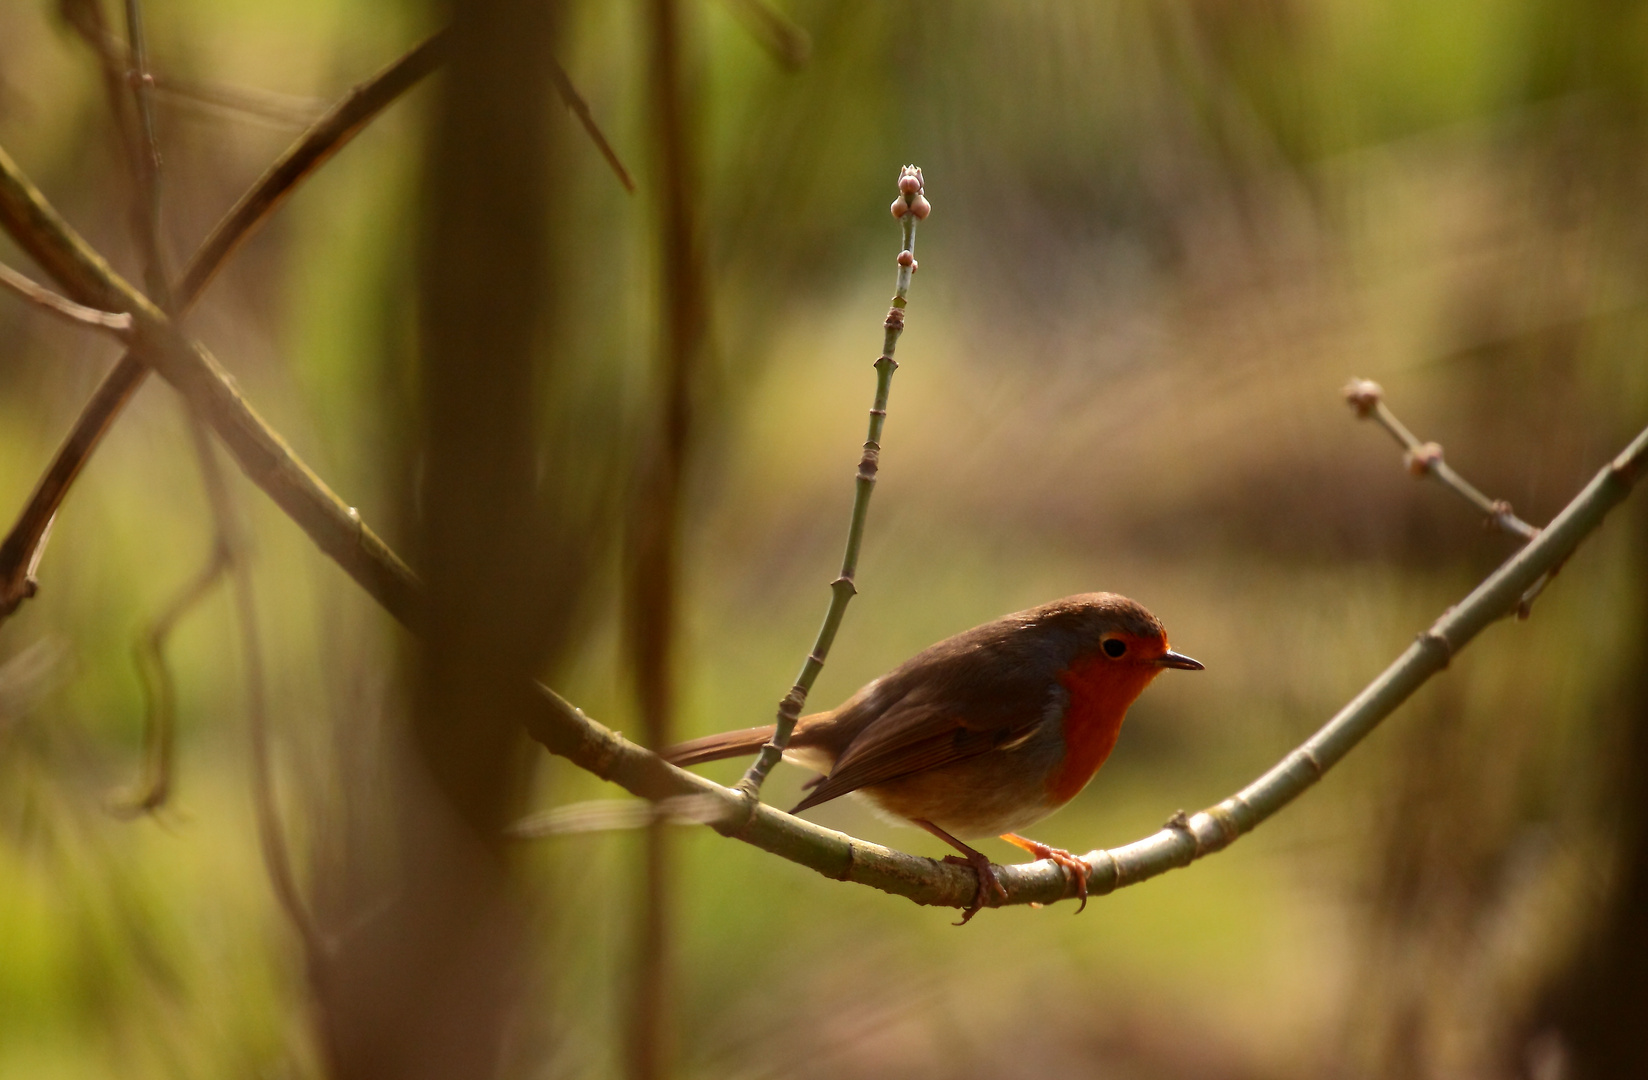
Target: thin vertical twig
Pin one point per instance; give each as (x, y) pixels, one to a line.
(228, 555)
(654, 585)
(154, 785)
(146, 161)
(910, 207)
(141, 140)
(230, 541)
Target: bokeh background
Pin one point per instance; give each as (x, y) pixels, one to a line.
(1164, 235)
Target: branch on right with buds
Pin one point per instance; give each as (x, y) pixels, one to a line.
(1424, 459)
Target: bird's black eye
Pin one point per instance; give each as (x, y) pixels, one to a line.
(1114, 648)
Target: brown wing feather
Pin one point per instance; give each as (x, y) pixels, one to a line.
(911, 737)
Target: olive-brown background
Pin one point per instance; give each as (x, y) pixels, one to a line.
(1164, 235)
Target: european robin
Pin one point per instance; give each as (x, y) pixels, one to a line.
(984, 733)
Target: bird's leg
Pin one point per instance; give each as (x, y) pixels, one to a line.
(969, 857)
(1072, 864)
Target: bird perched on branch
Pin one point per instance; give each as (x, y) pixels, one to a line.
(984, 733)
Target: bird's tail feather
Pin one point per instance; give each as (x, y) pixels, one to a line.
(715, 747)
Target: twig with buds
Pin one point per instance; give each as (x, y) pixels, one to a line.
(1367, 399)
(909, 208)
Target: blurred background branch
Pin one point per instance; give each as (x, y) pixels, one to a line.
(119, 325)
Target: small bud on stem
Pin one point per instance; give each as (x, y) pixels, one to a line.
(1422, 460)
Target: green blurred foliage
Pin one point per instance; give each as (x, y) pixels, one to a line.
(1164, 234)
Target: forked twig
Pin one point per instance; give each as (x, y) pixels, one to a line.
(23, 546)
(910, 207)
(261, 453)
(228, 553)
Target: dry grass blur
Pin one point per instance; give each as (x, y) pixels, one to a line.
(1164, 236)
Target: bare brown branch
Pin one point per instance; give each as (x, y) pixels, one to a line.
(21, 550)
(259, 450)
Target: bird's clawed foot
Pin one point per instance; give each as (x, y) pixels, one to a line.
(987, 881)
(1073, 865)
(986, 874)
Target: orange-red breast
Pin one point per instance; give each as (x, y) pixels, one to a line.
(986, 732)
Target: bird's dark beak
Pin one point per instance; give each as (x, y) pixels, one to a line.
(1178, 660)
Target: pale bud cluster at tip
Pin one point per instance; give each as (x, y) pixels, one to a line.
(910, 199)
(1363, 395)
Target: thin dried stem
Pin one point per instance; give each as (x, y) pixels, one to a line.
(117, 323)
(154, 786)
(575, 102)
(146, 160)
(230, 542)
(914, 208)
(566, 731)
(159, 719)
(653, 578)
